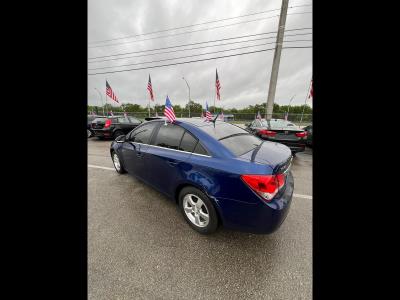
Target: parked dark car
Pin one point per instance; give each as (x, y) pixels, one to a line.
(309, 135)
(281, 131)
(217, 175)
(90, 118)
(112, 127)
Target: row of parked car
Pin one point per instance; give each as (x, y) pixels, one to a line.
(275, 130)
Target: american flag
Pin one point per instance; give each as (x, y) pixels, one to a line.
(258, 115)
(150, 89)
(217, 85)
(169, 110)
(110, 93)
(208, 114)
(311, 90)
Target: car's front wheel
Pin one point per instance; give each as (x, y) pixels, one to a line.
(117, 163)
(198, 210)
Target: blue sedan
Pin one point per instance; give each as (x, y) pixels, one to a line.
(218, 174)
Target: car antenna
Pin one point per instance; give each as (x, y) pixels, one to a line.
(215, 119)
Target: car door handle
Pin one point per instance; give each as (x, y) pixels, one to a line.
(172, 163)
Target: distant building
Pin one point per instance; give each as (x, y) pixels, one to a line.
(227, 117)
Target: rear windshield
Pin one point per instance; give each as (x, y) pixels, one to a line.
(221, 130)
(99, 120)
(241, 144)
(278, 123)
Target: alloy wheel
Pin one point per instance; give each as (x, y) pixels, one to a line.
(196, 210)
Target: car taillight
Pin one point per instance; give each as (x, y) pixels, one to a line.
(267, 132)
(108, 123)
(301, 134)
(267, 186)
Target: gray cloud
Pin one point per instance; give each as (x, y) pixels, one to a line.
(244, 79)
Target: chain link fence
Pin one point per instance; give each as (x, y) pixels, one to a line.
(238, 118)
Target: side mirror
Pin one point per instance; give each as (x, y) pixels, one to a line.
(121, 138)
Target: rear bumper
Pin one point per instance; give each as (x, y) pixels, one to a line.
(102, 133)
(259, 217)
(295, 146)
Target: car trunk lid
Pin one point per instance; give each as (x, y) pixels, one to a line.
(276, 155)
(98, 123)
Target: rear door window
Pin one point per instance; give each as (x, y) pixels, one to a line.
(188, 142)
(199, 149)
(143, 133)
(169, 136)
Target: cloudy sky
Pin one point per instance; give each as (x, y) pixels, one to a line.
(244, 79)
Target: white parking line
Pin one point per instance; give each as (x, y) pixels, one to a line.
(302, 196)
(101, 167)
(112, 169)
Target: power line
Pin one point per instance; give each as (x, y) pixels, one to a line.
(194, 48)
(198, 60)
(174, 58)
(198, 43)
(197, 24)
(186, 32)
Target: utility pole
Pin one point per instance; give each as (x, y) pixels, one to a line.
(277, 58)
(189, 94)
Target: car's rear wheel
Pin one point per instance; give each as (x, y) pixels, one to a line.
(117, 163)
(117, 134)
(198, 210)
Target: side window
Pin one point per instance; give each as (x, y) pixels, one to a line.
(123, 120)
(169, 136)
(200, 150)
(188, 142)
(143, 133)
(133, 120)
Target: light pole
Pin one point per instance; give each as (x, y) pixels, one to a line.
(189, 93)
(289, 104)
(101, 97)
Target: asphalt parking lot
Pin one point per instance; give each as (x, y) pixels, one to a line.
(140, 247)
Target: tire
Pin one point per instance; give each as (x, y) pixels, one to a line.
(117, 163)
(195, 215)
(117, 134)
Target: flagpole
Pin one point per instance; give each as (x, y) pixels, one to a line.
(309, 87)
(215, 95)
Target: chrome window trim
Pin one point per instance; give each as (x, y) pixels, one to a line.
(164, 148)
